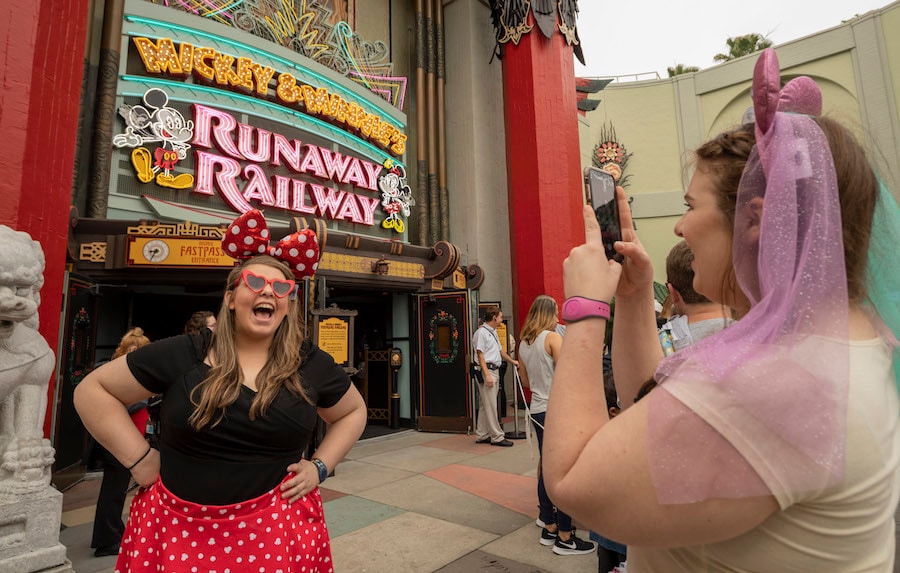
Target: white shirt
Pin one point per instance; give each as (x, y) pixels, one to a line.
(486, 341)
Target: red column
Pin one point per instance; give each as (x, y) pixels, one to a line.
(40, 87)
(543, 161)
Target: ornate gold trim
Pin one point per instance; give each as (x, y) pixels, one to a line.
(363, 266)
(185, 229)
(93, 252)
(378, 413)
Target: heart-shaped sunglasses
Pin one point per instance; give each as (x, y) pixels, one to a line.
(280, 287)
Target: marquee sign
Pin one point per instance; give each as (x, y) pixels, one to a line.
(238, 142)
(243, 74)
(230, 161)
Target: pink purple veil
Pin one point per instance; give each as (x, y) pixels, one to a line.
(760, 408)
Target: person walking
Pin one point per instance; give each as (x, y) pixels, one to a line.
(489, 355)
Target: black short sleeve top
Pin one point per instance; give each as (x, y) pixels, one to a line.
(239, 458)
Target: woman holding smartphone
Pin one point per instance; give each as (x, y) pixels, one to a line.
(772, 445)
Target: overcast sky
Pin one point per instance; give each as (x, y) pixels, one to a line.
(638, 36)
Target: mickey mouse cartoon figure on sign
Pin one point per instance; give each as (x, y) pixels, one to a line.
(157, 122)
(396, 196)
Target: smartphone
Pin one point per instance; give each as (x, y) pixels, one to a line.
(600, 187)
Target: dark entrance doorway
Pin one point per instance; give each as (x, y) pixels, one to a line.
(372, 342)
(442, 322)
(77, 348)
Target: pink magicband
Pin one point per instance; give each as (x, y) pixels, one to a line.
(580, 308)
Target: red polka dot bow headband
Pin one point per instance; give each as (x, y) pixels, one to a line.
(248, 236)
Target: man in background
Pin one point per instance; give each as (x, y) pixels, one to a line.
(694, 316)
(488, 357)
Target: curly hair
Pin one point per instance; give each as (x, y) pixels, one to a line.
(133, 339)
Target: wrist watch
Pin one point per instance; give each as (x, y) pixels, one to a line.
(579, 308)
(323, 469)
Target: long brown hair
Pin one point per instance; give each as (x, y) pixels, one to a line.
(541, 316)
(222, 385)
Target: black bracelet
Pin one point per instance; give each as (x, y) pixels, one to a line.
(140, 459)
(321, 467)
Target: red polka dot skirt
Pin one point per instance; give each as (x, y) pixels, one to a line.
(266, 535)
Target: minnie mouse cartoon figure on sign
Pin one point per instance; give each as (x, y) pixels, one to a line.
(396, 196)
(157, 122)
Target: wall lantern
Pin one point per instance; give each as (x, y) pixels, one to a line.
(394, 412)
(396, 358)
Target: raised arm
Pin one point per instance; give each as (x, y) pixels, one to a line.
(617, 499)
(577, 400)
(101, 400)
(635, 347)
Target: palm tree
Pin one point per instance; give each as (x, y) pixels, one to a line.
(681, 69)
(739, 46)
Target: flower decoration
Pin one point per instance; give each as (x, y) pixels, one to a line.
(611, 156)
(610, 151)
(443, 356)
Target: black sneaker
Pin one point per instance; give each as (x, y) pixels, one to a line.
(486, 440)
(547, 537)
(573, 546)
(107, 550)
(503, 444)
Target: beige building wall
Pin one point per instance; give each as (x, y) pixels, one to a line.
(856, 65)
(476, 148)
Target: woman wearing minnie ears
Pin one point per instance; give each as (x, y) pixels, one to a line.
(774, 444)
(228, 488)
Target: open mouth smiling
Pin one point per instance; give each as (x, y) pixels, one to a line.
(264, 310)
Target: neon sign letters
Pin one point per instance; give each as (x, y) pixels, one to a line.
(212, 66)
(238, 143)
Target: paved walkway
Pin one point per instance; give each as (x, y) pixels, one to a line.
(410, 502)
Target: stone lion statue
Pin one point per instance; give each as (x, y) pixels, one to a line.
(26, 363)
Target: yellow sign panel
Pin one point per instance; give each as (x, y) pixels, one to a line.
(176, 252)
(334, 338)
(502, 337)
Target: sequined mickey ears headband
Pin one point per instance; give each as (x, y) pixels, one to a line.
(248, 236)
(800, 95)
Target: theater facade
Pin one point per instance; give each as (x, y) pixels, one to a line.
(202, 114)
